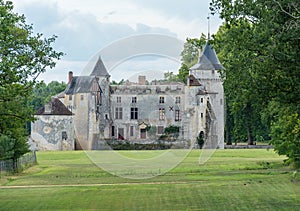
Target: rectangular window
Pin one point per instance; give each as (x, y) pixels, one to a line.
(70, 97)
(81, 97)
(177, 116)
(177, 101)
(134, 113)
(112, 131)
(131, 132)
(201, 100)
(143, 133)
(201, 115)
(118, 99)
(121, 134)
(160, 129)
(119, 113)
(64, 135)
(161, 99)
(161, 114)
(133, 99)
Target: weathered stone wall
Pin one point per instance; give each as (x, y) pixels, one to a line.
(53, 132)
(148, 105)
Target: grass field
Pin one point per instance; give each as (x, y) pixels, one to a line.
(250, 179)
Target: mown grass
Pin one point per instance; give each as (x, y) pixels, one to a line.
(249, 179)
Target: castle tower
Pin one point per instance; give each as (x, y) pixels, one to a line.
(101, 74)
(206, 71)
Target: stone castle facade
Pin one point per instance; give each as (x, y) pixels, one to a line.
(91, 111)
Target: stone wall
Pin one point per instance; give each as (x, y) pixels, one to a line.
(53, 132)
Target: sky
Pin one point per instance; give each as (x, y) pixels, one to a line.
(86, 29)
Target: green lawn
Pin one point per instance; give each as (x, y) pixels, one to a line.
(250, 179)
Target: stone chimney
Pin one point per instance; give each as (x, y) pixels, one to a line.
(70, 77)
(142, 80)
(48, 108)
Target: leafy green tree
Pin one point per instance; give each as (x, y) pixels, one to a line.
(243, 105)
(190, 55)
(24, 56)
(42, 92)
(269, 46)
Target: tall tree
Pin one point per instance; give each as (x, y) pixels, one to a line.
(24, 56)
(190, 55)
(242, 102)
(272, 45)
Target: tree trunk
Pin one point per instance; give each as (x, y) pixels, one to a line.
(250, 137)
(228, 138)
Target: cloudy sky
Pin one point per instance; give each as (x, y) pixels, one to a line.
(85, 28)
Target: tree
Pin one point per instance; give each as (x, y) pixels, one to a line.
(42, 93)
(190, 55)
(243, 105)
(24, 56)
(271, 45)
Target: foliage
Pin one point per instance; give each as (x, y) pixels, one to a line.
(42, 93)
(200, 140)
(126, 145)
(171, 133)
(171, 129)
(24, 57)
(261, 40)
(191, 48)
(183, 73)
(190, 55)
(286, 135)
(121, 82)
(170, 77)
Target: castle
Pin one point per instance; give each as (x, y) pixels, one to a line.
(91, 111)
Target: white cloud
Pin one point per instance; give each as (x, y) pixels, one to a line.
(85, 27)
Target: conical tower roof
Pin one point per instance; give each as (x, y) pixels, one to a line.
(99, 69)
(208, 60)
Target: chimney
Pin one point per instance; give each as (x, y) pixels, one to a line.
(142, 80)
(48, 108)
(70, 77)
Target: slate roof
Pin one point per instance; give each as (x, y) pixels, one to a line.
(99, 69)
(57, 108)
(208, 60)
(79, 84)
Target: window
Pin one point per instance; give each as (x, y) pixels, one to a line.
(133, 99)
(177, 116)
(131, 131)
(121, 134)
(70, 97)
(161, 114)
(161, 99)
(201, 100)
(118, 99)
(134, 113)
(143, 133)
(81, 97)
(160, 129)
(112, 131)
(201, 115)
(177, 100)
(221, 101)
(119, 113)
(64, 135)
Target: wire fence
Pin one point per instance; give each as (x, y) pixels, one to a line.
(11, 166)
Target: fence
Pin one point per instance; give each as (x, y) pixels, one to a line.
(9, 165)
